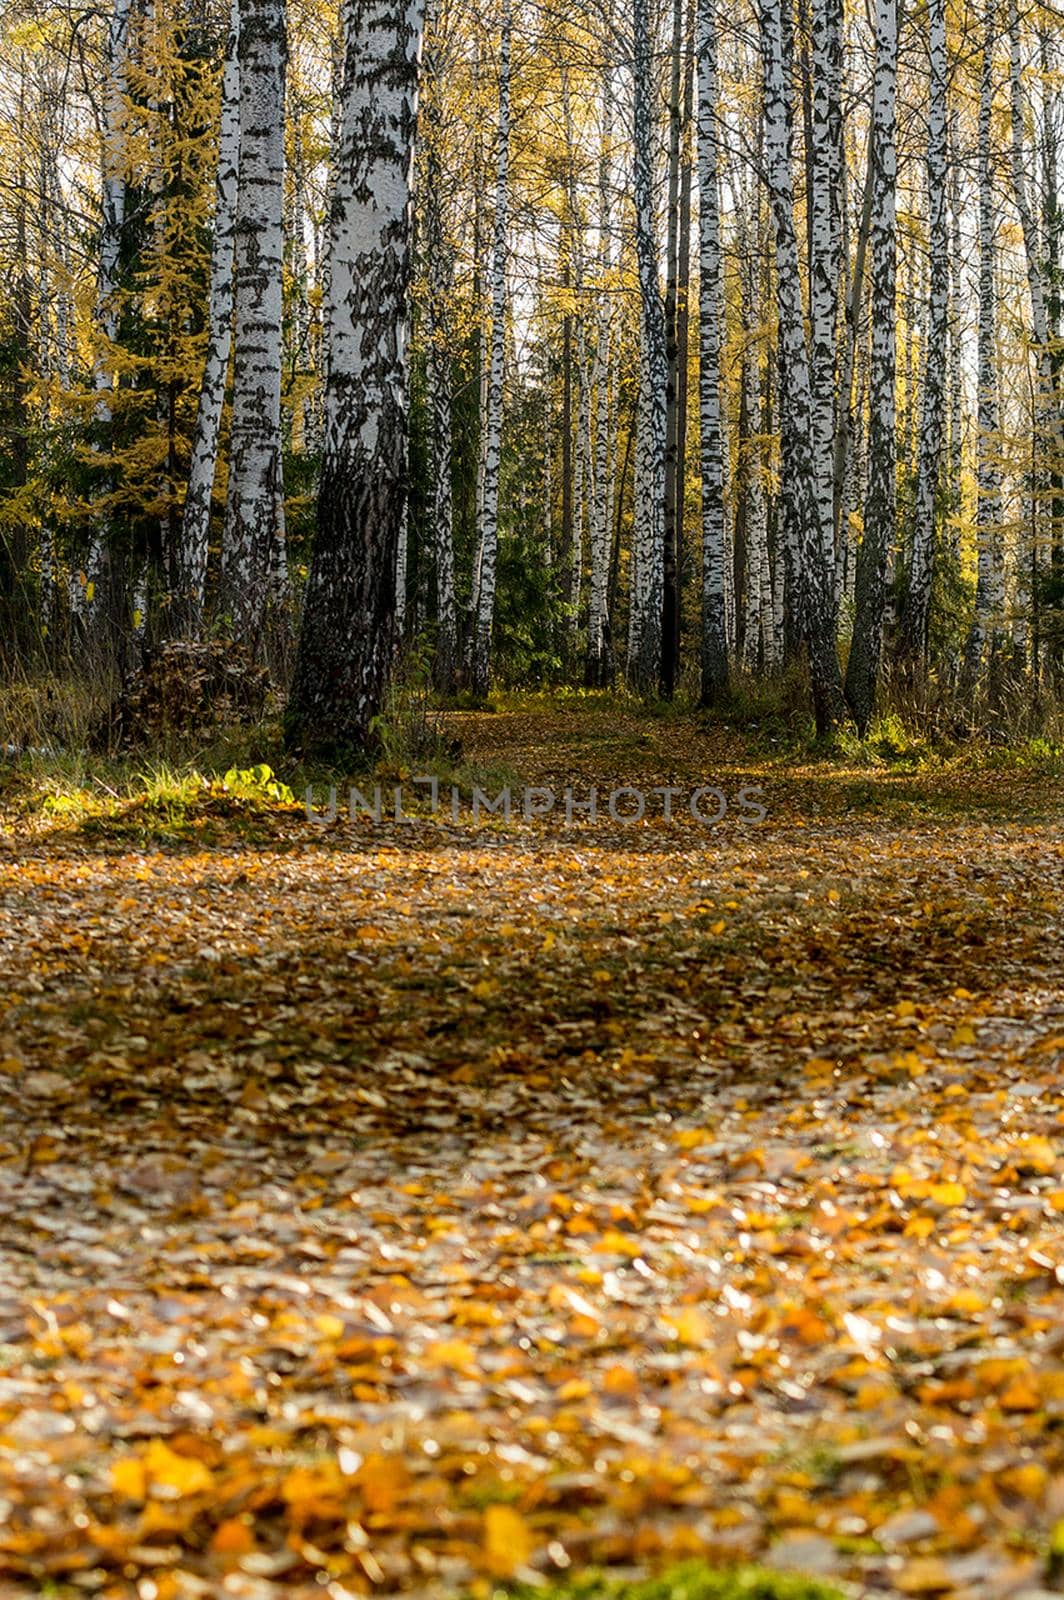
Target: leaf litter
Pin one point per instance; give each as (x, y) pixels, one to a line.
(417, 1207)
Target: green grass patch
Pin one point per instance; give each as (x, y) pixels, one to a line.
(694, 1580)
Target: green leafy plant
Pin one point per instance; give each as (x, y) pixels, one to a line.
(258, 784)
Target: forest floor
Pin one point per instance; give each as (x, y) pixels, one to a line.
(416, 1205)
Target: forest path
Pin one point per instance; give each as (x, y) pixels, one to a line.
(387, 1206)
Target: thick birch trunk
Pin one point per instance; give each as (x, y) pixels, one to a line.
(346, 644)
(815, 578)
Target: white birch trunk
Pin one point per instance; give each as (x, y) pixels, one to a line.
(195, 521)
(957, 335)
(600, 383)
(933, 415)
(649, 511)
(815, 577)
(989, 590)
(711, 327)
(438, 365)
(824, 267)
(862, 671)
(254, 524)
(346, 646)
(488, 535)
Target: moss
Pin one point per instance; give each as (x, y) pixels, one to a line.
(692, 1581)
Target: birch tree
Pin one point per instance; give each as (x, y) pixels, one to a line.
(711, 317)
(647, 598)
(825, 162)
(985, 633)
(933, 413)
(605, 417)
(815, 579)
(195, 523)
(88, 596)
(488, 534)
(347, 636)
(440, 255)
(254, 523)
(862, 670)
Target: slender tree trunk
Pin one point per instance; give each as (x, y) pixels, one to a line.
(710, 327)
(1047, 421)
(195, 522)
(489, 534)
(440, 258)
(933, 418)
(957, 335)
(598, 597)
(670, 636)
(1052, 231)
(254, 524)
(645, 643)
(90, 598)
(346, 644)
(824, 263)
(755, 518)
(855, 298)
(984, 633)
(862, 671)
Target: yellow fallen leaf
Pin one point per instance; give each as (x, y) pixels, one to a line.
(456, 1355)
(613, 1243)
(1028, 1481)
(690, 1327)
(384, 1481)
(691, 1138)
(925, 1575)
(176, 1475)
(1034, 1154)
(129, 1479)
(948, 1194)
(965, 1302)
(507, 1541)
